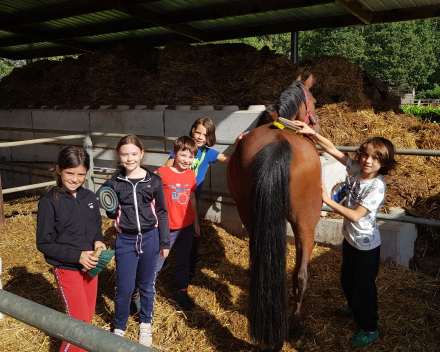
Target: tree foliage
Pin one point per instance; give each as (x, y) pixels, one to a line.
(6, 66)
(404, 54)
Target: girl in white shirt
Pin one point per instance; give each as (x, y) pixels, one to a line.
(361, 246)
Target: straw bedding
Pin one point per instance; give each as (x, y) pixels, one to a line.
(409, 301)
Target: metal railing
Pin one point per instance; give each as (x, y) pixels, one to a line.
(383, 216)
(86, 135)
(74, 331)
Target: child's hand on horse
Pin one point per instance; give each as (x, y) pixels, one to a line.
(164, 253)
(325, 196)
(99, 244)
(305, 127)
(87, 260)
(240, 136)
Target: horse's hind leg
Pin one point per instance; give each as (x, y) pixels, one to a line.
(304, 241)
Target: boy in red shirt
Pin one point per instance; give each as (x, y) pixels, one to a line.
(179, 183)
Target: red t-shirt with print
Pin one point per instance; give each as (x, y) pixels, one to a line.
(178, 189)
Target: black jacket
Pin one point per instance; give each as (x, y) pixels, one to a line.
(143, 213)
(67, 226)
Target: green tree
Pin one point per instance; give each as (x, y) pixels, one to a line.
(278, 42)
(348, 42)
(6, 66)
(404, 54)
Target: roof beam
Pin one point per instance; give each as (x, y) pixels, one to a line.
(302, 25)
(44, 37)
(243, 10)
(160, 20)
(75, 32)
(356, 9)
(50, 14)
(406, 14)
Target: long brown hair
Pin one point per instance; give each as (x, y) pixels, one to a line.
(384, 150)
(70, 157)
(210, 130)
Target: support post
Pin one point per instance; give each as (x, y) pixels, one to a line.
(294, 47)
(88, 146)
(2, 212)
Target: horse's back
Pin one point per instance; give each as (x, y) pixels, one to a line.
(305, 171)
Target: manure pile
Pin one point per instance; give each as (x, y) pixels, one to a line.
(183, 74)
(409, 304)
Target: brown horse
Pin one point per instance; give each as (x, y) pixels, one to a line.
(274, 176)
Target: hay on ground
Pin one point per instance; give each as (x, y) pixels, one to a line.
(409, 301)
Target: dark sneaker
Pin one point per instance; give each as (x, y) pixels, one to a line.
(135, 304)
(183, 300)
(364, 338)
(344, 313)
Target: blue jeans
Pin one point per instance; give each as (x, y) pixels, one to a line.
(184, 240)
(135, 256)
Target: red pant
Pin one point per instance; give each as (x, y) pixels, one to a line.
(78, 292)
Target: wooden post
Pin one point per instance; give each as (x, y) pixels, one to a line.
(2, 210)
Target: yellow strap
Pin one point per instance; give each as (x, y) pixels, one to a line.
(282, 127)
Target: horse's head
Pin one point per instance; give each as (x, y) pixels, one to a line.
(306, 111)
(295, 103)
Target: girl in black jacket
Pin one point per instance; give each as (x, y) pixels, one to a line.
(142, 233)
(68, 230)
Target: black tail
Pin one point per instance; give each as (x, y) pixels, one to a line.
(270, 208)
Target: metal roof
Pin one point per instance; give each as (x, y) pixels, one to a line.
(40, 28)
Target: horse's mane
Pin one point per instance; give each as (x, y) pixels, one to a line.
(287, 104)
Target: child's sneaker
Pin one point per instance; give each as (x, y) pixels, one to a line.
(119, 332)
(135, 304)
(145, 335)
(183, 300)
(364, 338)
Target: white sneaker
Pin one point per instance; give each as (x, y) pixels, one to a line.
(145, 335)
(119, 332)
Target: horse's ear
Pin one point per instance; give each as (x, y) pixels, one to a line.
(309, 82)
(298, 79)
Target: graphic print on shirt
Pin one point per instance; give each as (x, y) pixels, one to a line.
(180, 193)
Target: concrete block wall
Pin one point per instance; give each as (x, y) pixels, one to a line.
(397, 238)
(230, 122)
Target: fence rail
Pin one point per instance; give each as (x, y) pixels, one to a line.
(435, 102)
(74, 331)
(383, 216)
(89, 184)
(419, 152)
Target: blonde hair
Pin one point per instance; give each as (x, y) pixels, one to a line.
(129, 139)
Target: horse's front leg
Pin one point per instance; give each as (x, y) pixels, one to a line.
(304, 246)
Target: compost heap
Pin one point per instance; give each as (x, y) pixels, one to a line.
(352, 104)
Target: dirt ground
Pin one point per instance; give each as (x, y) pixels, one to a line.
(409, 300)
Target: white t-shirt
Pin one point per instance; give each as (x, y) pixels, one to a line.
(364, 233)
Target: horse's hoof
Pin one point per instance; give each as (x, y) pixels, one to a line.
(295, 334)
